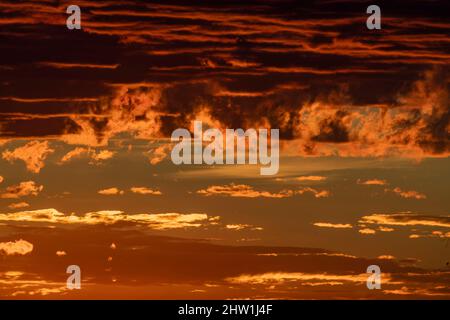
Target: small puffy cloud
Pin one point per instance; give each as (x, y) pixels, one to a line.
(111, 191)
(18, 247)
(23, 189)
(113, 246)
(102, 155)
(33, 154)
(1, 179)
(372, 182)
(18, 205)
(145, 191)
(385, 229)
(311, 178)
(333, 225)
(407, 194)
(61, 253)
(366, 231)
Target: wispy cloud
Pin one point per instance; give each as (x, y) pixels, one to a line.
(372, 182)
(145, 191)
(333, 225)
(246, 191)
(410, 194)
(406, 219)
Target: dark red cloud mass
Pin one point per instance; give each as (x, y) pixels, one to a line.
(313, 70)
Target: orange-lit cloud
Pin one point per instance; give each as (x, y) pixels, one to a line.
(80, 152)
(333, 225)
(372, 182)
(407, 194)
(111, 191)
(65, 65)
(158, 154)
(242, 191)
(18, 247)
(406, 219)
(155, 221)
(311, 178)
(366, 231)
(18, 205)
(282, 277)
(386, 257)
(238, 227)
(23, 189)
(246, 191)
(145, 191)
(33, 154)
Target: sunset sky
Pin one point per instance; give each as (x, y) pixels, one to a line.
(86, 176)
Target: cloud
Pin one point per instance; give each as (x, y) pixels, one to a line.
(333, 225)
(145, 191)
(330, 119)
(63, 65)
(111, 191)
(385, 229)
(158, 154)
(61, 253)
(386, 257)
(264, 271)
(159, 221)
(242, 191)
(372, 182)
(21, 284)
(366, 231)
(1, 179)
(33, 154)
(80, 152)
(432, 234)
(311, 178)
(406, 219)
(407, 194)
(246, 191)
(283, 277)
(18, 205)
(315, 192)
(23, 189)
(102, 155)
(18, 247)
(238, 227)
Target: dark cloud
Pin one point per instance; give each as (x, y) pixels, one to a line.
(313, 70)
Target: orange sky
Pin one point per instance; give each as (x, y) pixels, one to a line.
(86, 176)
